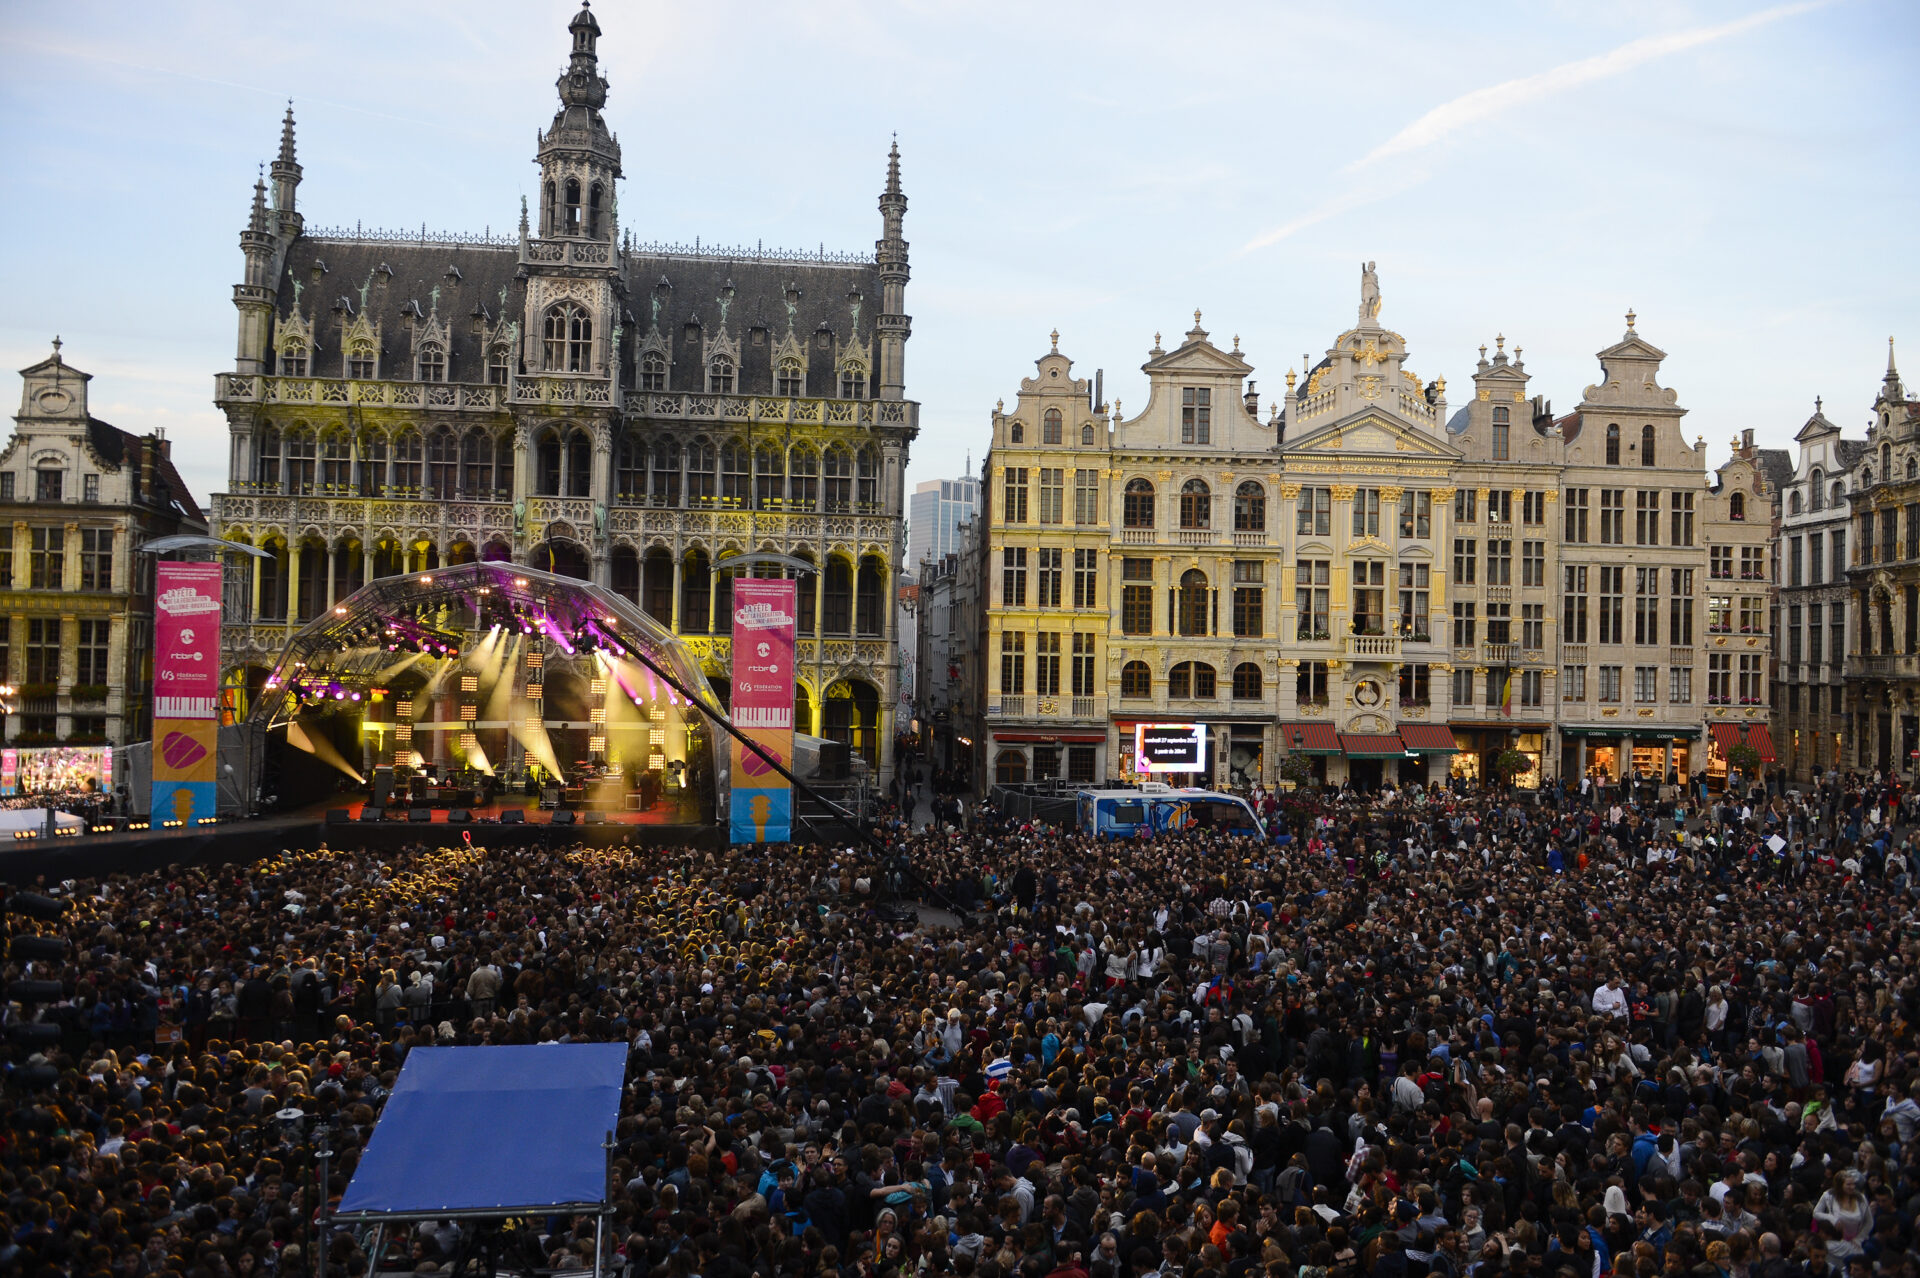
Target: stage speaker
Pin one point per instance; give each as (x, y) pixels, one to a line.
(459, 816)
(37, 949)
(40, 907)
(338, 816)
(370, 813)
(513, 816)
(35, 1077)
(35, 991)
(382, 784)
(417, 788)
(563, 817)
(36, 1034)
(593, 818)
(420, 815)
(835, 761)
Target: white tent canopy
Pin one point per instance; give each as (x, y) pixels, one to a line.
(12, 819)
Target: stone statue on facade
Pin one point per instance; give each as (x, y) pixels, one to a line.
(1369, 294)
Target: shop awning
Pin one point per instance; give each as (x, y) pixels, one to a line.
(1363, 745)
(1429, 738)
(1761, 740)
(1726, 735)
(1053, 738)
(1315, 738)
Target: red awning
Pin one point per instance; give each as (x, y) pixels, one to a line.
(1762, 740)
(1725, 735)
(1315, 738)
(1052, 738)
(1429, 738)
(1364, 745)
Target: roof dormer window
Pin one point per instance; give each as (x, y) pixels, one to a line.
(293, 358)
(433, 362)
(1196, 415)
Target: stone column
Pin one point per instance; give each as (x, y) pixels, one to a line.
(258, 582)
(70, 560)
(293, 582)
(333, 556)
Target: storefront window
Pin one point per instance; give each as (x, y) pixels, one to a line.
(1465, 766)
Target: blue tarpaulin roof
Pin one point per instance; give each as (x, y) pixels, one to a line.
(484, 1129)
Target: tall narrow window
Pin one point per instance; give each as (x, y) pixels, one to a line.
(1013, 576)
(1646, 446)
(569, 338)
(1313, 512)
(1053, 495)
(1136, 597)
(1250, 508)
(1086, 578)
(1046, 664)
(1014, 509)
(653, 371)
(1086, 496)
(769, 476)
(1196, 415)
(1050, 427)
(1249, 598)
(497, 366)
(1013, 662)
(789, 379)
(1193, 601)
(1049, 577)
(1137, 504)
(1575, 500)
(573, 207)
(1196, 504)
(1311, 597)
(803, 482)
(1501, 427)
(96, 564)
(1613, 444)
(839, 472)
(433, 363)
(1573, 605)
(1083, 665)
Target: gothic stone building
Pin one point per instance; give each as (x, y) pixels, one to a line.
(76, 628)
(1363, 580)
(1883, 572)
(632, 414)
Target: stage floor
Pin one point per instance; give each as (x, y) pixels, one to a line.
(663, 812)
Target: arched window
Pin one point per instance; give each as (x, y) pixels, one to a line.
(1502, 430)
(656, 585)
(573, 207)
(630, 474)
(839, 469)
(789, 379)
(302, 452)
(1613, 444)
(476, 464)
(293, 358)
(1086, 435)
(363, 361)
(1816, 489)
(1196, 504)
(1016, 433)
(1839, 491)
(1647, 450)
(1886, 460)
(443, 465)
(836, 612)
(548, 454)
(497, 366)
(770, 476)
(700, 473)
(1737, 506)
(1250, 508)
(696, 593)
(867, 479)
(579, 464)
(593, 212)
(803, 479)
(1191, 680)
(407, 452)
(1190, 603)
(550, 211)
(664, 489)
(1913, 468)
(808, 587)
(853, 380)
(720, 376)
(569, 339)
(373, 464)
(736, 474)
(266, 462)
(433, 362)
(870, 613)
(1050, 427)
(1793, 504)
(1246, 682)
(1136, 681)
(1136, 504)
(1010, 767)
(653, 371)
(336, 462)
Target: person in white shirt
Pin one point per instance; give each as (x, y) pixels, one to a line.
(1610, 1000)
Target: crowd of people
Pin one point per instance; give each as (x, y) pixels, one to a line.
(1421, 1034)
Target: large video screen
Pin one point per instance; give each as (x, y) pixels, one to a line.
(1170, 747)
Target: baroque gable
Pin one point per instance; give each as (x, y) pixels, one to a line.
(1371, 433)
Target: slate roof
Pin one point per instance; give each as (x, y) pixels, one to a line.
(470, 287)
(165, 488)
(1777, 465)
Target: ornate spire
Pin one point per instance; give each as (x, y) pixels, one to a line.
(1630, 318)
(1890, 384)
(258, 221)
(286, 135)
(893, 167)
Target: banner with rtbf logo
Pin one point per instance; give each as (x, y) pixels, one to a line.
(763, 640)
(186, 690)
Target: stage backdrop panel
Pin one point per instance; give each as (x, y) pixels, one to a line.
(764, 619)
(487, 1129)
(186, 690)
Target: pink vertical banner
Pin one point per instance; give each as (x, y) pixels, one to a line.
(764, 622)
(186, 690)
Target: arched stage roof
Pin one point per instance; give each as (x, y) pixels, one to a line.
(352, 642)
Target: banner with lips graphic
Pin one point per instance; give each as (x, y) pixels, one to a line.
(764, 621)
(186, 690)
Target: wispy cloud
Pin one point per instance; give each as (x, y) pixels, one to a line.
(1469, 109)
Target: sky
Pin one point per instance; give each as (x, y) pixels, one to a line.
(1741, 175)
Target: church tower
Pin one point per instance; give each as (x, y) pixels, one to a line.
(894, 324)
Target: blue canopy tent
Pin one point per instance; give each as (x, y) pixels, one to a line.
(492, 1132)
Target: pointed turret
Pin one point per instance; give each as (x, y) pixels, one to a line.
(890, 252)
(1890, 384)
(286, 182)
(579, 156)
(254, 297)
